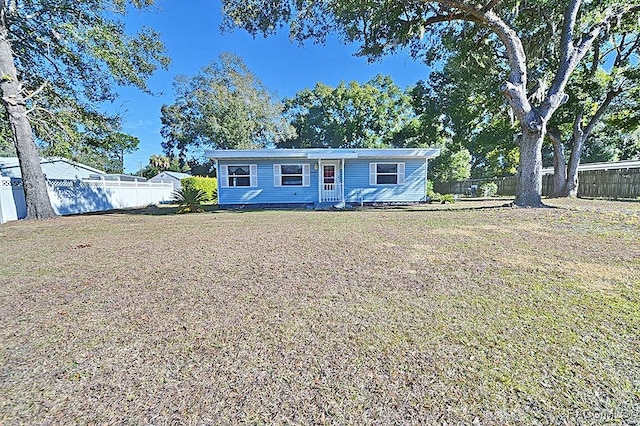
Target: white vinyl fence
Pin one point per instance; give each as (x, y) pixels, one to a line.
(82, 196)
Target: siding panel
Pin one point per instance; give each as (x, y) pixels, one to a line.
(358, 187)
(267, 192)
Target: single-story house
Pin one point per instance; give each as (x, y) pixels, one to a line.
(52, 167)
(170, 177)
(321, 177)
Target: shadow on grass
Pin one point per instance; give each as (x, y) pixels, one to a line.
(475, 204)
(460, 205)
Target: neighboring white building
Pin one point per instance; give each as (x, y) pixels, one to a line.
(170, 177)
(606, 165)
(52, 167)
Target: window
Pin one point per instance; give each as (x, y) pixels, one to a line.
(239, 175)
(291, 174)
(386, 173)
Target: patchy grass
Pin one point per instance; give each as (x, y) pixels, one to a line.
(377, 316)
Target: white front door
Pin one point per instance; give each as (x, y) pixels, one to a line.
(331, 185)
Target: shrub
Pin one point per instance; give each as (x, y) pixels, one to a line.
(432, 196)
(189, 200)
(436, 197)
(447, 198)
(488, 189)
(206, 184)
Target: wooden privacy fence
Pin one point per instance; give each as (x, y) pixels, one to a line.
(618, 183)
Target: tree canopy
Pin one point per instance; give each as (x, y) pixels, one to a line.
(59, 60)
(223, 106)
(510, 27)
(349, 115)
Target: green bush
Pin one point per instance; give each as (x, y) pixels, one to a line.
(488, 189)
(207, 185)
(447, 198)
(189, 200)
(436, 197)
(432, 196)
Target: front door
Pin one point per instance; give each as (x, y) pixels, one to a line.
(331, 186)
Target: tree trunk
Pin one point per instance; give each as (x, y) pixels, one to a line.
(13, 100)
(571, 185)
(529, 183)
(559, 163)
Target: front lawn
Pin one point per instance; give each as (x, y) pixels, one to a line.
(376, 316)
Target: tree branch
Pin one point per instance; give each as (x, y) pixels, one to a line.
(490, 5)
(37, 91)
(611, 95)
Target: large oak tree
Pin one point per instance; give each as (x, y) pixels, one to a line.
(351, 115)
(382, 26)
(59, 59)
(224, 106)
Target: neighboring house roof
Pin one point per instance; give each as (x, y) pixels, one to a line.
(171, 175)
(322, 153)
(52, 167)
(608, 165)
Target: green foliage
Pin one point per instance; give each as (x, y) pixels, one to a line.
(513, 42)
(208, 185)
(223, 106)
(189, 200)
(488, 189)
(349, 115)
(202, 167)
(447, 198)
(161, 163)
(436, 197)
(451, 166)
(70, 57)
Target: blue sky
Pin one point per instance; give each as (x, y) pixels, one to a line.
(193, 39)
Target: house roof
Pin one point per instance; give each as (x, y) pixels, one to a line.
(607, 165)
(322, 153)
(176, 175)
(10, 166)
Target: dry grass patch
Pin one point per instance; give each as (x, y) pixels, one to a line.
(498, 316)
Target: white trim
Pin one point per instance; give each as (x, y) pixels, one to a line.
(223, 179)
(253, 179)
(342, 178)
(320, 179)
(316, 153)
(253, 175)
(400, 173)
(306, 174)
(277, 175)
(426, 176)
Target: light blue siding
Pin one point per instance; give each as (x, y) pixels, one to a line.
(356, 180)
(358, 189)
(266, 192)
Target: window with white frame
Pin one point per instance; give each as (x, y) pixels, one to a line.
(239, 175)
(386, 173)
(291, 175)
